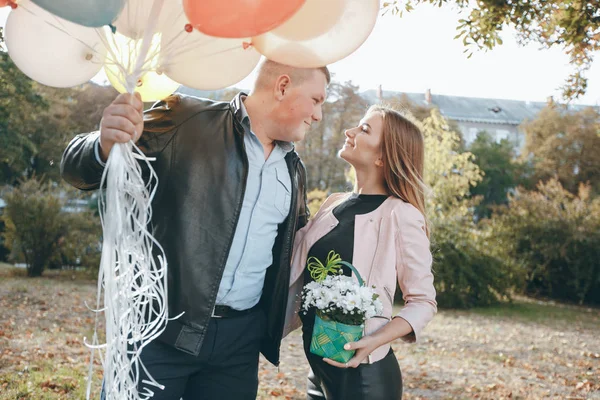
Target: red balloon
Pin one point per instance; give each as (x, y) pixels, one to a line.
(239, 18)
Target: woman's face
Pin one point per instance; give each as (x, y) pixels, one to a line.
(362, 148)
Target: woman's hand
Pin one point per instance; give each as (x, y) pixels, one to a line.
(363, 347)
(396, 328)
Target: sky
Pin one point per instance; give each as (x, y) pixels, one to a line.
(417, 52)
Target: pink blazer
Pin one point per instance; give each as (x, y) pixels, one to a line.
(390, 244)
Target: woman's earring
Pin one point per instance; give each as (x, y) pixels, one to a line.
(379, 163)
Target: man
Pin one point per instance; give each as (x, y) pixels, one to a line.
(231, 195)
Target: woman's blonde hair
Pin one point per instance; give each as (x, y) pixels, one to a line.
(403, 149)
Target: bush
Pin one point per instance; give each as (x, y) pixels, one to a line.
(39, 232)
(555, 237)
(466, 273)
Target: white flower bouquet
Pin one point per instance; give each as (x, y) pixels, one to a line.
(342, 305)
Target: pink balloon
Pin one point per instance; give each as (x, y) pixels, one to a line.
(239, 18)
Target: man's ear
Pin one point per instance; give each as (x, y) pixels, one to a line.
(282, 85)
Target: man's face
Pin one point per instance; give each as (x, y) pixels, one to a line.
(300, 106)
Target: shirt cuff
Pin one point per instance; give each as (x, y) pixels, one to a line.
(97, 152)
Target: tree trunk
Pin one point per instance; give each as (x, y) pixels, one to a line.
(36, 268)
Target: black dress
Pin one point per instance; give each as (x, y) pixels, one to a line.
(381, 380)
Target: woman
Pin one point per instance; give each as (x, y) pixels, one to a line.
(381, 229)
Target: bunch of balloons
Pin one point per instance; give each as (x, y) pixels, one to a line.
(202, 44)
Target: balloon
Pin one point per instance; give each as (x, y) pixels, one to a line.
(332, 38)
(205, 62)
(121, 62)
(4, 3)
(63, 57)
(239, 18)
(133, 19)
(151, 86)
(92, 13)
(314, 18)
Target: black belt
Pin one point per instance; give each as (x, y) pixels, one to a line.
(228, 312)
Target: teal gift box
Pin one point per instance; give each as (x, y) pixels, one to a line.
(329, 338)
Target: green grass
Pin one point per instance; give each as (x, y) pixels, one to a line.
(543, 312)
(45, 381)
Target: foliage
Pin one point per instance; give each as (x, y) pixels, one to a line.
(566, 146)
(500, 172)
(554, 236)
(38, 229)
(37, 122)
(466, 273)
(448, 172)
(20, 103)
(573, 25)
(316, 197)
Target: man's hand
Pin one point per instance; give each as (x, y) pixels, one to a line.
(122, 121)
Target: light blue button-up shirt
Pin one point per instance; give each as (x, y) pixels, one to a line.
(266, 204)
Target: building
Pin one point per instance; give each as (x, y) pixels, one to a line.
(499, 117)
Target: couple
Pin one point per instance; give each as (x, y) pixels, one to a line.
(231, 215)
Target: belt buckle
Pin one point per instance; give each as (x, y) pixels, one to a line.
(213, 315)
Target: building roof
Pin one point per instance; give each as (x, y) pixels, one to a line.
(457, 108)
(474, 109)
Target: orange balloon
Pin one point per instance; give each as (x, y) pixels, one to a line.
(239, 18)
(4, 3)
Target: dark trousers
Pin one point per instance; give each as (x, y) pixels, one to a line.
(226, 368)
(381, 380)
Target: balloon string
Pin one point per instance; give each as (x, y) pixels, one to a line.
(146, 42)
(236, 47)
(135, 282)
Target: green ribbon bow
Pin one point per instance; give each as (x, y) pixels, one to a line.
(319, 272)
(334, 262)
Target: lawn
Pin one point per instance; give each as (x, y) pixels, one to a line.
(527, 350)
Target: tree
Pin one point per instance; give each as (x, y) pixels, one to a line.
(500, 172)
(573, 25)
(466, 273)
(553, 236)
(565, 145)
(449, 172)
(38, 229)
(33, 223)
(20, 104)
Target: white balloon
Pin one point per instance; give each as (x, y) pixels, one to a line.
(51, 50)
(134, 18)
(314, 18)
(205, 62)
(301, 43)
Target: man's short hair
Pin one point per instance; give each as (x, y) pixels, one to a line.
(269, 70)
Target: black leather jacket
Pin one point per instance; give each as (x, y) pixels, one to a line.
(202, 167)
